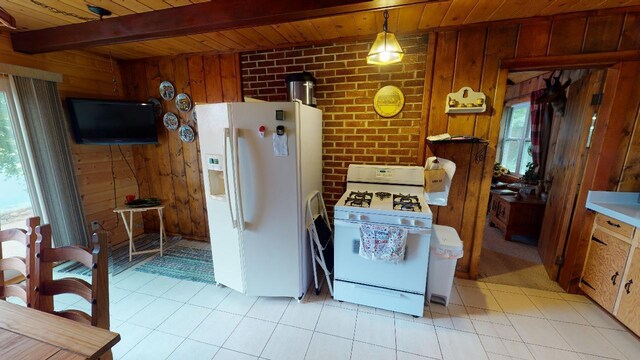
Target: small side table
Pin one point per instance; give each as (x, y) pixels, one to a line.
(128, 224)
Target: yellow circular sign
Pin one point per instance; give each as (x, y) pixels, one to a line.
(388, 101)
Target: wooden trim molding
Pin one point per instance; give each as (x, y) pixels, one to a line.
(580, 61)
(23, 71)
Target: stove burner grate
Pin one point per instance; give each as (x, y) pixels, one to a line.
(359, 199)
(406, 202)
(383, 195)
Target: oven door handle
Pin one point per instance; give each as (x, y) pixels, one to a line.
(352, 224)
(378, 291)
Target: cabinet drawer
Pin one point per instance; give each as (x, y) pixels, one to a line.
(615, 226)
(603, 270)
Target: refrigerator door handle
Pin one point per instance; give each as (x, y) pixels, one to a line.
(236, 166)
(234, 221)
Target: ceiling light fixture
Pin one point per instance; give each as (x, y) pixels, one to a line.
(7, 20)
(386, 49)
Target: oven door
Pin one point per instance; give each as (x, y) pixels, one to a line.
(409, 275)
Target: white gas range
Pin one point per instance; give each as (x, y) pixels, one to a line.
(388, 196)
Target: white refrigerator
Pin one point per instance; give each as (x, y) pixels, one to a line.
(257, 180)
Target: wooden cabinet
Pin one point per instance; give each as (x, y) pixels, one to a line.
(513, 216)
(629, 308)
(611, 274)
(604, 267)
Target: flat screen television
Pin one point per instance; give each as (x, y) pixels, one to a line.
(106, 122)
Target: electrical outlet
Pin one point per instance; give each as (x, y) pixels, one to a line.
(95, 226)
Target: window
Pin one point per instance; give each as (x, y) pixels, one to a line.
(15, 202)
(516, 142)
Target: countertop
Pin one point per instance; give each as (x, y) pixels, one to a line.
(622, 206)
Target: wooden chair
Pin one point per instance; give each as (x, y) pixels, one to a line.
(20, 285)
(97, 293)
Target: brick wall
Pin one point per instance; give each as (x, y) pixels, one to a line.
(352, 131)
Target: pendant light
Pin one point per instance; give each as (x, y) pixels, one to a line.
(386, 49)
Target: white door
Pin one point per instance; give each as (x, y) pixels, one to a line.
(217, 169)
(270, 202)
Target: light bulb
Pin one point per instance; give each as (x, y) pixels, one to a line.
(385, 56)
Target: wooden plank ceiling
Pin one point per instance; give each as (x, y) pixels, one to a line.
(40, 14)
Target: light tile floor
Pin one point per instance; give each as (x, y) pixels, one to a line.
(161, 318)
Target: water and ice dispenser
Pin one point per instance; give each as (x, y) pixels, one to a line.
(215, 172)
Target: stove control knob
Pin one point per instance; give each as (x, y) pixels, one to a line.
(351, 217)
(403, 221)
(363, 217)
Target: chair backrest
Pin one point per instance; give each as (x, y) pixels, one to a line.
(96, 293)
(20, 285)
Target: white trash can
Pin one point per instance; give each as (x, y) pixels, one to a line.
(445, 250)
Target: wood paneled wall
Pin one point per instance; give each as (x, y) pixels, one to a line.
(87, 75)
(471, 56)
(171, 170)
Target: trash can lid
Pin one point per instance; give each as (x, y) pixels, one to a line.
(445, 237)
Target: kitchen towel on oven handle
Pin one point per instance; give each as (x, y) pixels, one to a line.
(382, 242)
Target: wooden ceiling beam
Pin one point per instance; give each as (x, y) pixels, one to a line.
(187, 20)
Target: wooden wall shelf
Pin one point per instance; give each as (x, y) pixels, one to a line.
(466, 101)
(459, 141)
(479, 152)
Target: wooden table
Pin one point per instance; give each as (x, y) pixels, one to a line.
(513, 216)
(128, 224)
(27, 333)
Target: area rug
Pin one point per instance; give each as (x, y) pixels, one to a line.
(182, 262)
(119, 256)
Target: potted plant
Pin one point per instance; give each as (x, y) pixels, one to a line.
(530, 175)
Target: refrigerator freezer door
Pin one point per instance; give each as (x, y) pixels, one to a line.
(268, 187)
(215, 146)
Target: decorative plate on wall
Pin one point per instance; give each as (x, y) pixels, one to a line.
(183, 102)
(170, 121)
(167, 92)
(186, 133)
(157, 106)
(388, 101)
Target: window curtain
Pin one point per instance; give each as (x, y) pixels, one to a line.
(46, 138)
(540, 131)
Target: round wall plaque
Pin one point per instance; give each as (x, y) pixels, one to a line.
(388, 101)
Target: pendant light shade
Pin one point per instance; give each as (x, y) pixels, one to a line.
(386, 49)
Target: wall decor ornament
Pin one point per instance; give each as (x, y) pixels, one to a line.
(183, 102)
(186, 133)
(170, 121)
(167, 91)
(388, 101)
